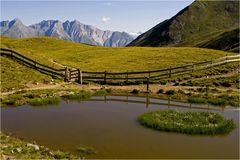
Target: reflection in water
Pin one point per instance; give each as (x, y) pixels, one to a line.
(147, 100)
(109, 125)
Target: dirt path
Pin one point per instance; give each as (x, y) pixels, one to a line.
(154, 88)
(36, 87)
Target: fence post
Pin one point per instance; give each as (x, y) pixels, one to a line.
(192, 66)
(170, 72)
(147, 100)
(147, 84)
(81, 77)
(70, 74)
(105, 77)
(35, 65)
(66, 75)
(149, 74)
(105, 98)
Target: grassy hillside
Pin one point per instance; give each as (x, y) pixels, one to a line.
(226, 41)
(200, 21)
(52, 51)
(15, 76)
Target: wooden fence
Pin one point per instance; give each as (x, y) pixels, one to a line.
(75, 74)
(32, 64)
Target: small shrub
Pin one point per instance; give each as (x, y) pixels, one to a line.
(216, 84)
(61, 155)
(176, 84)
(160, 91)
(181, 92)
(163, 82)
(200, 89)
(225, 84)
(189, 83)
(183, 84)
(9, 102)
(101, 92)
(170, 92)
(86, 150)
(109, 90)
(135, 91)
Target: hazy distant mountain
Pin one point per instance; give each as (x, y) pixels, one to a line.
(71, 31)
(202, 21)
(16, 29)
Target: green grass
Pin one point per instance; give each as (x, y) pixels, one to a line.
(21, 149)
(221, 100)
(15, 76)
(103, 91)
(44, 101)
(91, 58)
(187, 122)
(231, 81)
(197, 100)
(86, 150)
(79, 96)
(44, 97)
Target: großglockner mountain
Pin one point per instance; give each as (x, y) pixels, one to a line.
(68, 30)
(201, 24)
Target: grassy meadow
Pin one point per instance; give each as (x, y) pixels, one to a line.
(15, 76)
(51, 51)
(91, 58)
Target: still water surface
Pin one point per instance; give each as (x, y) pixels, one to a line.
(109, 124)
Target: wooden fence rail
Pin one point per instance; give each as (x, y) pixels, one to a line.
(31, 63)
(74, 74)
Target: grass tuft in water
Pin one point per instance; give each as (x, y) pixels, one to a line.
(221, 100)
(197, 100)
(187, 122)
(44, 101)
(79, 96)
(103, 91)
(86, 150)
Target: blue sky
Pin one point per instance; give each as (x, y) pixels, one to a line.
(129, 16)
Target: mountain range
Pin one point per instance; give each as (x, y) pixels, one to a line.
(68, 30)
(207, 24)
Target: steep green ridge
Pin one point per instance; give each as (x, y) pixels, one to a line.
(51, 51)
(200, 21)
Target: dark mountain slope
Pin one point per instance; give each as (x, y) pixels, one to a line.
(200, 21)
(227, 41)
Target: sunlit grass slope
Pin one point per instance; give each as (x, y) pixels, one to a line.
(91, 58)
(15, 76)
